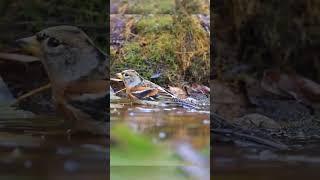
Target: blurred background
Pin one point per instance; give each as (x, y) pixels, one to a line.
(265, 89)
(32, 145)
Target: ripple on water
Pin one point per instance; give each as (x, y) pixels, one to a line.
(147, 110)
(64, 150)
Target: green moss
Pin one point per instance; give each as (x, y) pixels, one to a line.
(193, 6)
(154, 24)
(158, 54)
(157, 47)
(150, 6)
(152, 51)
(160, 7)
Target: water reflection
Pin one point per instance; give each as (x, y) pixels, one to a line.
(182, 131)
(232, 162)
(167, 125)
(52, 155)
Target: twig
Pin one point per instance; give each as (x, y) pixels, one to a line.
(258, 140)
(18, 57)
(231, 129)
(31, 93)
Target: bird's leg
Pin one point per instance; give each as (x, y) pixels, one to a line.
(132, 97)
(120, 90)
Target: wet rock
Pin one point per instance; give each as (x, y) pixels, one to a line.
(257, 121)
(205, 22)
(117, 27)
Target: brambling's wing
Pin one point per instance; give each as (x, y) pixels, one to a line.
(96, 108)
(145, 94)
(168, 98)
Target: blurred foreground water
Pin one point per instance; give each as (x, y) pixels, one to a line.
(245, 161)
(34, 147)
(185, 133)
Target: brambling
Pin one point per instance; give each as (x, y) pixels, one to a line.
(138, 88)
(78, 73)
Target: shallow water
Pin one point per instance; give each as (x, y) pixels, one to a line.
(231, 162)
(36, 150)
(167, 125)
(183, 131)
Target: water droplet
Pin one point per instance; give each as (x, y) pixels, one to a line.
(206, 121)
(162, 135)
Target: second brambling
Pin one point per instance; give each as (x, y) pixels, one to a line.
(78, 73)
(138, 88)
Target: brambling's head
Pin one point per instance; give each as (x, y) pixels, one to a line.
(67, 53)
(130, 77)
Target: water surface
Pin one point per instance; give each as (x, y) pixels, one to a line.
(183, 131)
(38, 149)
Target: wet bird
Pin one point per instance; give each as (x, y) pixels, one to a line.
(78, 73)
(138, 88)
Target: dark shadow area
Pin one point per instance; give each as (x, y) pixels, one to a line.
(265, 79)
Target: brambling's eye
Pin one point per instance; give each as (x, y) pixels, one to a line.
(41, 36)
(52, 42)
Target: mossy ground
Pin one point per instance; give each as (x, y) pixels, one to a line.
(159, 7)
(176, 47)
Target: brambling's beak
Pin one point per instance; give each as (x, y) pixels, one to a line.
(29, 45)
(120, 76)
